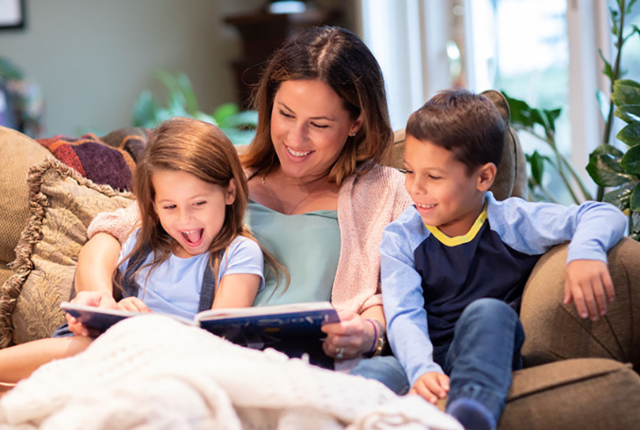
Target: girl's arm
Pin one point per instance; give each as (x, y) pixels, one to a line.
(97, 262)
(236, 291)
(93, 279)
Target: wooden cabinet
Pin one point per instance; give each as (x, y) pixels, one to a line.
(262, 34)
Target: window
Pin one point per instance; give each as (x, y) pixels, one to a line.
(542, 51)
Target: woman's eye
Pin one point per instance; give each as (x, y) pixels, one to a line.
(319, 125)
(169, 207)
(285, 114)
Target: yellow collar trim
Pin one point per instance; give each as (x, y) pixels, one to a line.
(459, 240)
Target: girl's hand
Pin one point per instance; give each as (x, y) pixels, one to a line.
(89, 298)
(588, 284)
(352, 337)
(132, 304)
(431, 386)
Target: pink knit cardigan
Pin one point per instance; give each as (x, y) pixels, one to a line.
(366, 204)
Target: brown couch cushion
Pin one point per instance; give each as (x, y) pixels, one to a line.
(63, 203)
(555, 331)
(594, 394)
(17, 153)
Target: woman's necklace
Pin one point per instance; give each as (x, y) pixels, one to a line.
(275, 199)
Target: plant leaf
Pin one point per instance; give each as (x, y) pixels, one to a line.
(634, 201)
(626, 96)
(185, 87)
(630, 6)
(224, 112)
(630, 134)
(604, 167)
(144, 109)
(630, 161)
(607, 70)
(620, 196)
(521, 112)
(536, 161)
(603, 102)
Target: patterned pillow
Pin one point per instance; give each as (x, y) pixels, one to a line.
(63, 203)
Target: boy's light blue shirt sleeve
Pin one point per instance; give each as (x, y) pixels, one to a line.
(406, 317)
(533, 228)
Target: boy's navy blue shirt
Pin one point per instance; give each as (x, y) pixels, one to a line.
(428, 278)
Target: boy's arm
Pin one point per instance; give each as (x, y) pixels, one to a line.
(404, 305)
(593, 228)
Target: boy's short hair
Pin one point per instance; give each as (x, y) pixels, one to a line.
(465, 123)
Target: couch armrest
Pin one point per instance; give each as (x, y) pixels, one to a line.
(554, 331)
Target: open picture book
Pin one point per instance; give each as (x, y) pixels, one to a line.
(254, 326)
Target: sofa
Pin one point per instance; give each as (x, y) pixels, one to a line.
(578, 373)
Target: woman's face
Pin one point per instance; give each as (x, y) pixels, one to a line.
(309, 128)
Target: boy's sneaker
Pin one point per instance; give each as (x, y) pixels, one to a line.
(471, 414)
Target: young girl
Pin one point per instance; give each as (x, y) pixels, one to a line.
(190, 252)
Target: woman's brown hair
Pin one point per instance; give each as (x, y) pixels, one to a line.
(340, 59)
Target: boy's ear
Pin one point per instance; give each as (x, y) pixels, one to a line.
(486, 176)
(231, 192)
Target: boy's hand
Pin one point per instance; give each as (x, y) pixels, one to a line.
(431, 386)
(588, 283)
(132, 304)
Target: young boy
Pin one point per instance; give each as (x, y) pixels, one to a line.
(454, 264)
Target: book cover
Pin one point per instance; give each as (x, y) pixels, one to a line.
(256, 326)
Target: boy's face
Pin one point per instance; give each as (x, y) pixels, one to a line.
(445, 194)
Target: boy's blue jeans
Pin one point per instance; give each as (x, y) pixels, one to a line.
(386, 369)
(484, 351)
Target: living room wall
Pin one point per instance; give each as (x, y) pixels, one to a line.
(92, 58)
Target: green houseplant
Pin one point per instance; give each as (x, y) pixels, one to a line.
(617, 171)
(182, 101)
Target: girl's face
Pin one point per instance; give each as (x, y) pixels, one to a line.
(190, 210)
(309, 127)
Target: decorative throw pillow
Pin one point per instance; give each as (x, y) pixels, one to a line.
(63, 203)
(18, 152)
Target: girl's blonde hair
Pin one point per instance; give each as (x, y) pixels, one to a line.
(202, 150)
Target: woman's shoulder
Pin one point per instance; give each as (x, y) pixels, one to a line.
(378, 176)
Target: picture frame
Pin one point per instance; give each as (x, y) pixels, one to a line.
(12, 14)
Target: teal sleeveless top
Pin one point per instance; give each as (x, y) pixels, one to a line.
(307, 245)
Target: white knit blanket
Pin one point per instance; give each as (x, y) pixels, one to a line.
(152, 372)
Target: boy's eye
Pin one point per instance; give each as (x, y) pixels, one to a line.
(200, 203)
(405, 170)
(435, 178)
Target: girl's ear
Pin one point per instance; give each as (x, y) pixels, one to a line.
(486, 176)
(231, 192)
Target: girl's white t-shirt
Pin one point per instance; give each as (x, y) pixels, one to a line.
(174, 286)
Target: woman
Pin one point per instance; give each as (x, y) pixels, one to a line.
(319, 197)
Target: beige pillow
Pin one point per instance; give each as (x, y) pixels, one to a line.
(63, 203)
(17, 153)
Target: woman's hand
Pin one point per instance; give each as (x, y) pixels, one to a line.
(352, 337)
(89, 298)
